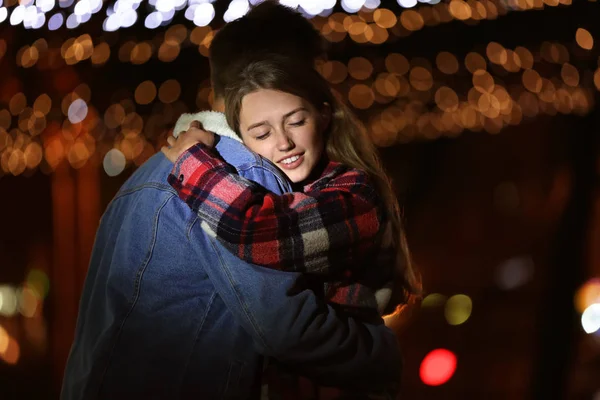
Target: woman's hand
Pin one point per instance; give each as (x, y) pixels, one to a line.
(187, 139)
(404, 315)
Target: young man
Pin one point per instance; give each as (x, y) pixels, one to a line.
(166, 312)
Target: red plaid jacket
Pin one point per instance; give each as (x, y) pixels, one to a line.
(334, 228)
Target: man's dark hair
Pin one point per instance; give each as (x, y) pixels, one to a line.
(268, 28)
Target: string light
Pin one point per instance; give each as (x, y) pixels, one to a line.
(407, 99)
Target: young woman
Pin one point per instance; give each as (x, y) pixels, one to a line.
(342, 222)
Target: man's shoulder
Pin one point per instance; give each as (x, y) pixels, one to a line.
(152, 173)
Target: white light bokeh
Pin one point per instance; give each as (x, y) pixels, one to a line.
(290, 3)
(114, 162)
(65, 3)
(179, 4)
(190, 12)
(312, 7)
(236, 9)
(45, 5)
(81, 19)
(203, 14)
(3, 14)
(96, 5)
(82, 7)
(55, 21)
(127, 18)
(72, 22)
(372, 4)
(352, 6)
(77, 111)
(111, 23)
(407, 3)
(39, 21)
(153, 20)
(164, 5)
(30, 16)
(590, 319)
(167, 17)
(17, 15)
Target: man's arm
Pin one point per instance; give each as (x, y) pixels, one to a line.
(300, 330)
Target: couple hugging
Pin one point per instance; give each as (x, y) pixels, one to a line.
(254, 257)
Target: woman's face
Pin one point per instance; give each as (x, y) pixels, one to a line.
(283, 128)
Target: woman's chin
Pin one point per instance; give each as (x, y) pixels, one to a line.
(296, 176)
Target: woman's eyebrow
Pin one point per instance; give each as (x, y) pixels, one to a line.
(293, 112)
(287, 115)
(256, 125)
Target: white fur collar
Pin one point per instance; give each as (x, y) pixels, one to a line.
(213, 121)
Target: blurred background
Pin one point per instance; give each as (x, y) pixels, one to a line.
(485, 113)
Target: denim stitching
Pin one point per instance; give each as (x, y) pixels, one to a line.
(136, 288)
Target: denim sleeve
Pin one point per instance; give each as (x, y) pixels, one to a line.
(268, 177)
(300, 330)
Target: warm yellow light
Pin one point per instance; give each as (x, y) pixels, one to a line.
(459, 10)
(169, 91)
(384, 18)
(474, 62)
(411, 20)
(101, 54)
(447, 63)
(361, 96)
(584, 39)
(145, 92)
(141, 53)
(360, 68)
(397, 64)
(420, 78)
(446, 99)
(17, 103)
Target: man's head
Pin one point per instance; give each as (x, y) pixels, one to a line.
(268, 28)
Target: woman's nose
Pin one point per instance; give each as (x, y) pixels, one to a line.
(284, 142)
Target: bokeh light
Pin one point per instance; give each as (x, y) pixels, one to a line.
(433, 300)
(514, 272)
(458, 309)
(8, 300)
(38, 280)
(590, 319)
(114, 162)
(4, 339)
(77, 111)
(588, 294)
(437, 367)
(584, 39)
(12, 353)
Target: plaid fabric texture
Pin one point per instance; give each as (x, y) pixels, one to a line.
(334, 229)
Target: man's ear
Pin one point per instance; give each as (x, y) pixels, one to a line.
(325, 116)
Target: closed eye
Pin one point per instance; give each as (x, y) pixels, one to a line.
(299, 123)
(263, 137)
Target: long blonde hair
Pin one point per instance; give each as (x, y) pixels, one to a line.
(346, 140)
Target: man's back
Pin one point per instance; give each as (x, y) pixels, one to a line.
(150, 319)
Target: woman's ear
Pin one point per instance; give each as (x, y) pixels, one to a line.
(325, 116)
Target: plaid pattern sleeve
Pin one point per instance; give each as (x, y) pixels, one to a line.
(335, 222)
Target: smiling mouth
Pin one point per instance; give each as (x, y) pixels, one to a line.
(290, 160)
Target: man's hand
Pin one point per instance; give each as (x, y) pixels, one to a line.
(187, 139)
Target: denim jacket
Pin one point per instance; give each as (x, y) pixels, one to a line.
(167, 313)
